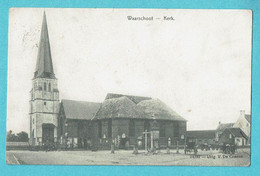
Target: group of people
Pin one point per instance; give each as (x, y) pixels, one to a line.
(48, 145)
(229, 148)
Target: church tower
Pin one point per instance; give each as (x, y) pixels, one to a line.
(44, 101)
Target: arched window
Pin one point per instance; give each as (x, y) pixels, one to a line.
(176, 129)
(132, 128)
(45, 86)
(147, 125)
(162, 129)
(99, 129)
(109, 131)
(50, 87)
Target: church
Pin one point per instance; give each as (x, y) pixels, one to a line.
(122, 120)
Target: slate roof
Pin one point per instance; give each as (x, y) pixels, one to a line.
(236, 132)
(81, 110)
(121, 107)
(136, 107)
(135, 99)
(201, 134)
(44, 67)
(248, 118)
(158, 110)
(223, 126)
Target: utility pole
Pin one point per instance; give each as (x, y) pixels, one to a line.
(177, 147)
(146, 147)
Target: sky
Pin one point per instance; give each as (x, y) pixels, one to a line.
(199, 64)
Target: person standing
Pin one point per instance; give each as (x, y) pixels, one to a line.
(68, 144)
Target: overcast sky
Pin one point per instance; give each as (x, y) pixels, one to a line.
(199, 64)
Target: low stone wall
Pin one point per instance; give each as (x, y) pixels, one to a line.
(17, 145)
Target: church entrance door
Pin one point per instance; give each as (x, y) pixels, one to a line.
(47, 133)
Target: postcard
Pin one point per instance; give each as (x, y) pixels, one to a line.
(129, 87)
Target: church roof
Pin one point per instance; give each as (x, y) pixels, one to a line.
(44, 67)
(121, 107)
(135, 99)
(79, 110)
(158, 110)
(135, 107)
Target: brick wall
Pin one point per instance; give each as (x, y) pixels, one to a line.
(121, 126)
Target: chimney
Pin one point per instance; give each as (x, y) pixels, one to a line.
(242, 113)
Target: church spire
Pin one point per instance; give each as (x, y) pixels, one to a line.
(44, 67)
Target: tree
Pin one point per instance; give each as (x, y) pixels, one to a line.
(10, 136)
(19, 137)
(22, 137)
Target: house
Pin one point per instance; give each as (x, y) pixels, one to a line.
(244, 123)
(221, 127)
(201, 136)
(233, 136)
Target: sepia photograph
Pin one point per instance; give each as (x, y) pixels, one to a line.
(92, 86)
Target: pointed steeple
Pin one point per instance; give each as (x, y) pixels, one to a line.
(44, 67)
